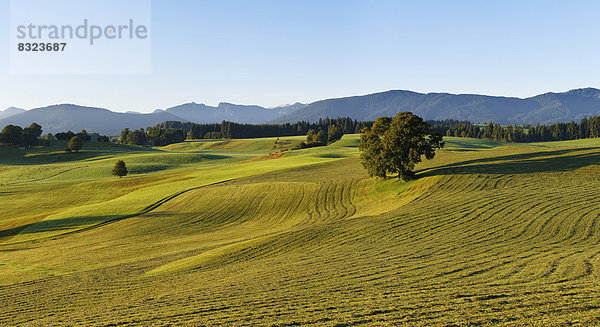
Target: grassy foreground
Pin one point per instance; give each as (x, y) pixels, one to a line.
(217, 233)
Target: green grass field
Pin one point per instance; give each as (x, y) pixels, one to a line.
(216, 233)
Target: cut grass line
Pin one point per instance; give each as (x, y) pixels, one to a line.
(44, 178)
(146, 210)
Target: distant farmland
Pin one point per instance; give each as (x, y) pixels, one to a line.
(204, 233)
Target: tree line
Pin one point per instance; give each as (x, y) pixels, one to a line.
(322, 137)
(586, 128)
(31, 135)
(174, 132)
(15, 135)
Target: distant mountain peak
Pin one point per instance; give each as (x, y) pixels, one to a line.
(10, 111)
(288, 105)
(249, 114)
(13, 109)
(228, 104)
(586, 92)
(70, 106)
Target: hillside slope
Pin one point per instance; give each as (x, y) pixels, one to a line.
(490, 234)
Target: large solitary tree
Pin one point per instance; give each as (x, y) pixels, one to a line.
(120, 169)
(395, 146)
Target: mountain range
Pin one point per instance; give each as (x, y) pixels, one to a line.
(201, 113)
(64, 117)
(544, 108)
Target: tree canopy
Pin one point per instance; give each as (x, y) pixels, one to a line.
(120, 169)
(15, 135)
(31, 134)
(64, 136)
(395, 146)
(11, 134)
(75, 144)
(83, 135)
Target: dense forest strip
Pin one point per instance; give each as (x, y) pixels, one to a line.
(174, 132)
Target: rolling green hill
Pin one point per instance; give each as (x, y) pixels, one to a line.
(203, 233)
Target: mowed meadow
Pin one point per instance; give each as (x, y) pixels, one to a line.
(222, 233)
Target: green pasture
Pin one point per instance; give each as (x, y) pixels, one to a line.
(215, 232)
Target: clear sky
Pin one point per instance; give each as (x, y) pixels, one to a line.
(277, 52)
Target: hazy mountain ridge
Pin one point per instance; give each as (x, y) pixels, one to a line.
(250, 114)
(64, 117)
(289, 108)
(11, 111)
(544, 108)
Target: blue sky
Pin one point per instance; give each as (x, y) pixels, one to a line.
(276, 52)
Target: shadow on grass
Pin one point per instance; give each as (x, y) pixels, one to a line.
(145, 169)
(461, 150)
(331, 155)
(527, 163)
(56, 225)
(477, 145)
(46, 158)
(74, 224)
(55, 154)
